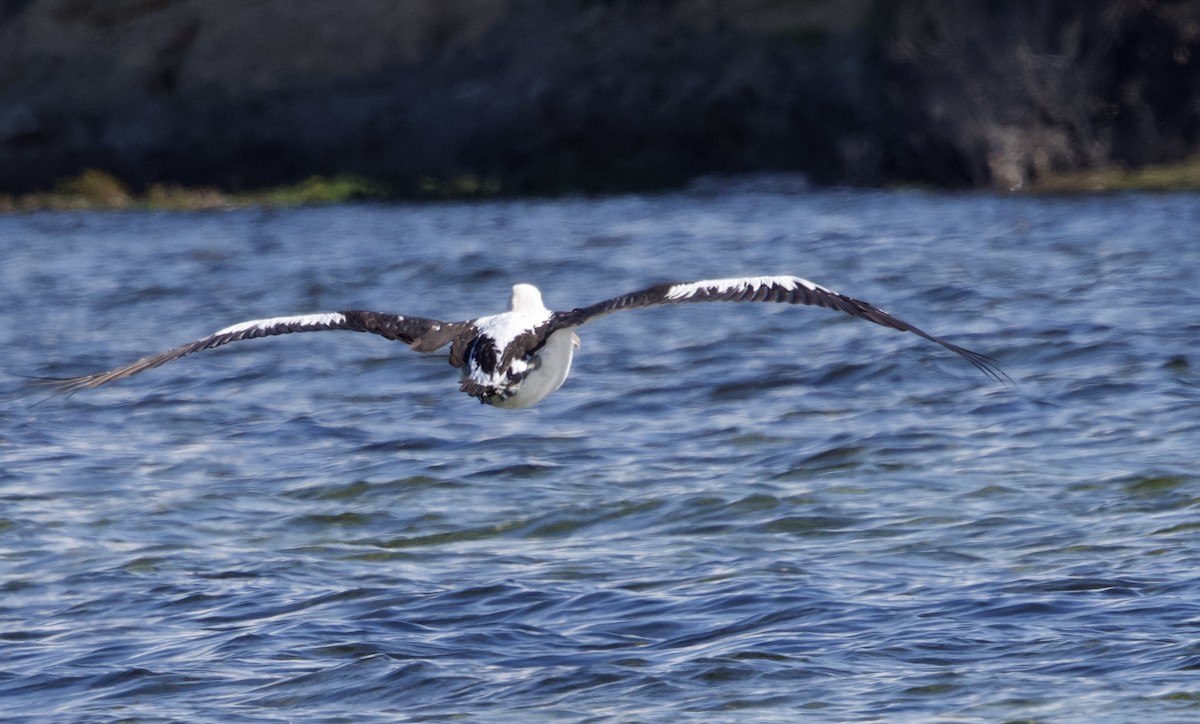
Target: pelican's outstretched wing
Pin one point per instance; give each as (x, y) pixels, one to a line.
(424, 335)
(782, 289)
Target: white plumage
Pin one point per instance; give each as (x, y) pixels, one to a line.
(525, 381)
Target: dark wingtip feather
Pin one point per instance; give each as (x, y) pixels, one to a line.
(55, 385)
(981, 362)
(62, 385)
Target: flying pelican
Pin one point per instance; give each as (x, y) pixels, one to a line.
(516, 358)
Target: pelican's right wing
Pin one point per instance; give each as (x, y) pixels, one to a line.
(423, 335)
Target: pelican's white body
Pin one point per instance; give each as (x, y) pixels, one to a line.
(545, 371)
(548, 371)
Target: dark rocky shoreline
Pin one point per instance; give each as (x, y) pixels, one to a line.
(545, 96)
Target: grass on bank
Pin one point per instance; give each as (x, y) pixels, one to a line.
(95, 189)
(1181, 176)
(99, 190)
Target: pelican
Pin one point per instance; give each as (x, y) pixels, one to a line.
(517, 358)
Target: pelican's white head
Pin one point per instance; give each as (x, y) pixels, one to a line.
(525, 298)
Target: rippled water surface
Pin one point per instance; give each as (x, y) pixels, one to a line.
(729, 512)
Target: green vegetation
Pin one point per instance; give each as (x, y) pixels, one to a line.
(93, 188)
(1182, 176)
(318, 190)
(98, 190)
(464, 186)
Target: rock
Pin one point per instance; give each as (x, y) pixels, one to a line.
(589, 95)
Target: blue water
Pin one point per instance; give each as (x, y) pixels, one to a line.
(729, 512)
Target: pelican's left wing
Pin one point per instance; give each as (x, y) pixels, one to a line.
(423, 335)
(781, 289)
